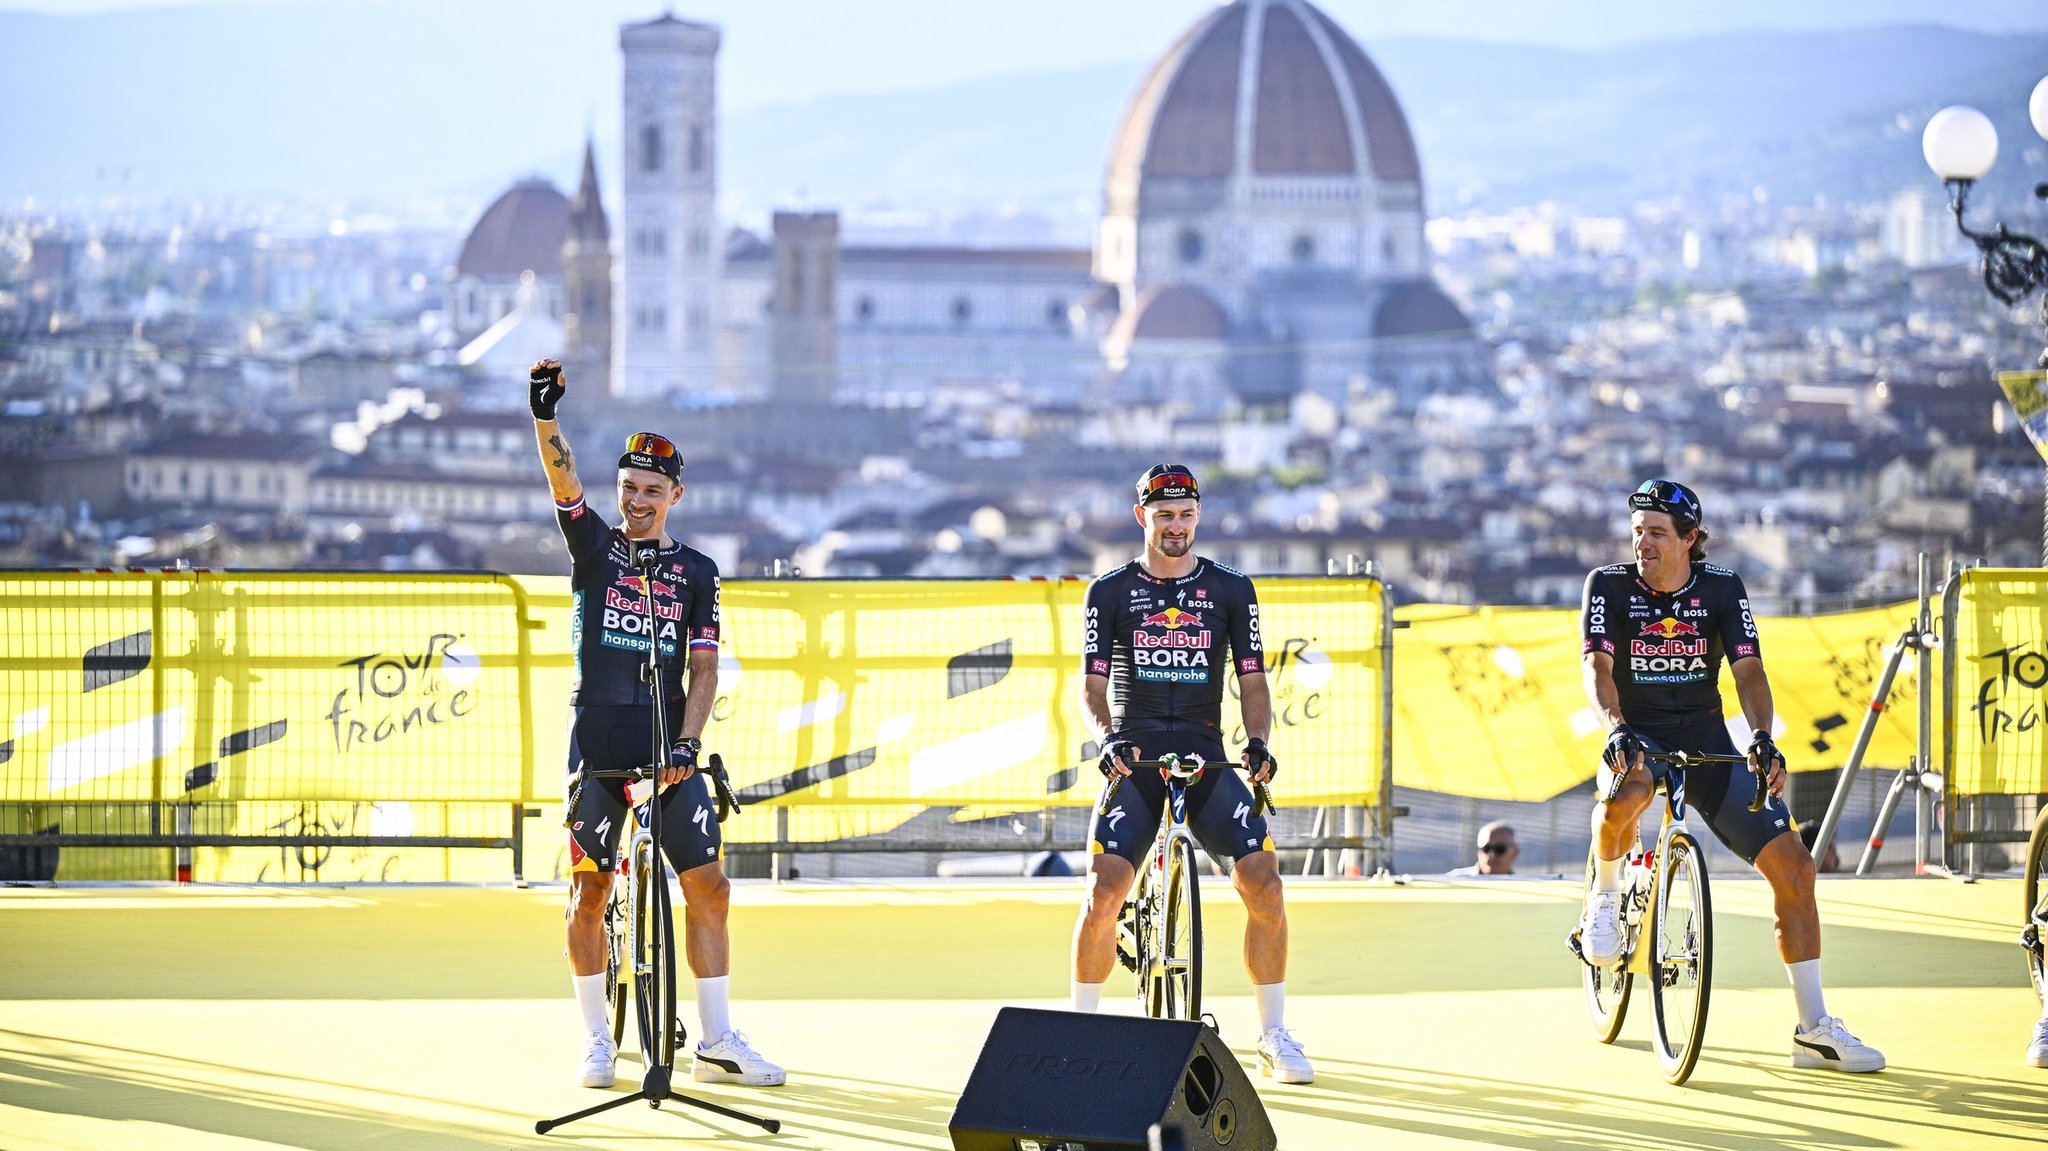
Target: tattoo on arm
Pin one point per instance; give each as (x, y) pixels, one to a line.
(564, 461)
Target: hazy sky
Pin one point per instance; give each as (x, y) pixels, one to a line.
(784, 50)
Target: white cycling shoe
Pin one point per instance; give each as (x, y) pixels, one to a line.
(732, 1060)
(1830, 1047)
(1600, 938)
(2037, 1051)
(1282, 1059)
(600, 1061)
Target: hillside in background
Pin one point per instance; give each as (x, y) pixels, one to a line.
(382, 105)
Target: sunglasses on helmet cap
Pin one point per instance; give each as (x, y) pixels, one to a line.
(1673, 499)
(654, 453)
(1168, 482)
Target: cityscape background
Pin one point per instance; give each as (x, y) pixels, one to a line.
(922, 287)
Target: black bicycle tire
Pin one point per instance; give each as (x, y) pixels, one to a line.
(2036, 893)
(617, 956)
(653, 957)
(1682, 856)
(1606, 1022)
(1183, 894)
(1151, 965)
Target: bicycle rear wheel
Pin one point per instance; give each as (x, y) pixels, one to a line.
(1182, 975)
(654, 958)
(1606, 988)
(2037, 900)
(1151, 949)
(1681, 957)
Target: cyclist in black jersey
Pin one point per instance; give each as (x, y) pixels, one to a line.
(612, 729)
(1656, 632)
(1163, 633)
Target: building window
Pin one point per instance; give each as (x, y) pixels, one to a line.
(864, 309)
(650, 147)
(697, 148)
(1056, 313)
(650, 242)
(700, 244)
(1189, 246)
(650, 318)
(1303, 249)
(1387, 249)
(695, 319)
(963, 309)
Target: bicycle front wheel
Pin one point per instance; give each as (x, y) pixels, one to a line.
(654, 958)
(2037, 900)
(1182, 982)
(1606, 988)
(618, 962)
(1681, 957)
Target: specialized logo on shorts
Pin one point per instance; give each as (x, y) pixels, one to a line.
(702, 819)
(604, 827)
(1243, 813)
(1115, 817)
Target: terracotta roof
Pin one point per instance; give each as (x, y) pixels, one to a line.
(1418, 308)
(1308, 86)
(521, 231)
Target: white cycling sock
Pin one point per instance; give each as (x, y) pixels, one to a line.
(1085, 996)
(1272, 1005)
(714, 1009)
(1806, 992)
(1607, 873)
(590, 1001)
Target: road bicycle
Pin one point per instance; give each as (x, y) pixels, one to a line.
(2034, 933)
(1159, 932)
(1667, 887)
(635, 949)
(641, 955)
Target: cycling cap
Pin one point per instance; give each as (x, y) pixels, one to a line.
(1670, 497)
(653, 453)
(1168, 482)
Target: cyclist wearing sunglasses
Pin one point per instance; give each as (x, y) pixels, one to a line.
(1154, 665)
(612, 715)
(1656, 632)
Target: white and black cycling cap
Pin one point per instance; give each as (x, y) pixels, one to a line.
(1168, 482)
(1670, 497)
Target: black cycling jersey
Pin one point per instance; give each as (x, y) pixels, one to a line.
(1668, 646)
(1160, 641)
(609, 628)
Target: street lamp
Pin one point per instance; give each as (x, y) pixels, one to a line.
(1961, 145)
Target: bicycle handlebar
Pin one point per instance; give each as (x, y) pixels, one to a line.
(1171, 765)
(713, 768)
(1684, 759)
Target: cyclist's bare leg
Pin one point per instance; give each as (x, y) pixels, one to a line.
(1109, 882)
(1788, 866)
(1257, 878)
(588, 948)
(1617, 822)
(707, 896)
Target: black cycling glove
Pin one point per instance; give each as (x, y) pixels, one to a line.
(683, 754)
(1255, 754)
(545, 389)
(1623, 745)
(1763, 750)
(1116, 748)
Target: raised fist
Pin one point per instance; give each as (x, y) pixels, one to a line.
(545, 388)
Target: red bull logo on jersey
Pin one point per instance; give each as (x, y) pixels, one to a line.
(1669, 628)
(1172, 619)
(1669, 645)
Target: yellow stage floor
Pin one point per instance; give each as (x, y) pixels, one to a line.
(1438, 1016)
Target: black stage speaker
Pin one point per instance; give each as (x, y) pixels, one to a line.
(1068, 1081)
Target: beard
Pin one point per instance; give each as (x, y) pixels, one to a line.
(1176, 548)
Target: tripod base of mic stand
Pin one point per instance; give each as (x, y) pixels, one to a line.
(656, 1090)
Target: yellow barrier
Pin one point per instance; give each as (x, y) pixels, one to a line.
(1489, 702)
(1995, 714)
(965, 693)
(205, 687)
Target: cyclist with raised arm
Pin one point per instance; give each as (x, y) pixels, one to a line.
(1656, 632)
(612, 729)
(1154, 665)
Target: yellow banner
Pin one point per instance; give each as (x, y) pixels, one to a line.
(966, 692)
(208, 687)
(1995, 722)
(1489, 701)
